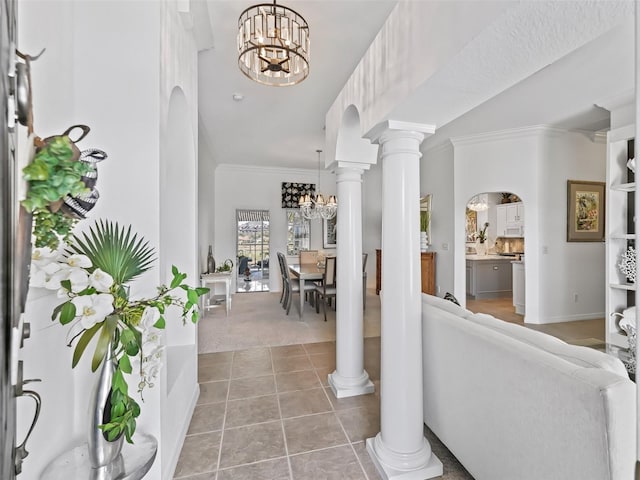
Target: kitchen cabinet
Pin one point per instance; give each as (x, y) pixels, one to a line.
(515, 213)
(489, 276)
(501, 220)
(427, 272)
(510, 220)
(518, 286)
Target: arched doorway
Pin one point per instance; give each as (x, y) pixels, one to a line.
(494, 255)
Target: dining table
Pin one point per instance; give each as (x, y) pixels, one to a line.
(304, 272)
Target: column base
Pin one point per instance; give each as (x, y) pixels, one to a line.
(431, 467)
(348, 387)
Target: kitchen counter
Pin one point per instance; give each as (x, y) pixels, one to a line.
(489, 276)
(492, 257)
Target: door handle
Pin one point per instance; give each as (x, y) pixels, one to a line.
(21, 450)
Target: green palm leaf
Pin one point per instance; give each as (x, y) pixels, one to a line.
(115, 250)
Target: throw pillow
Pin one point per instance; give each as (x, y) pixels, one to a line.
(451, 298)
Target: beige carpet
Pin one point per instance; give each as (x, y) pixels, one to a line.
(258, 319)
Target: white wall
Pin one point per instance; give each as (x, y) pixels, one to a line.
(371, 219)
(534, 163)
(206, 200)
(569, 268)
(244, 187)
(89, 74)
(436, 178)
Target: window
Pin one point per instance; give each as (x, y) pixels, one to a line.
(298, 232)
(253, 251)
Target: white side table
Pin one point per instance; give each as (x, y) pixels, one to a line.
(213, 278)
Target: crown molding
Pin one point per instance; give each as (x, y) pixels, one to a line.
(438, 148)
(253, 169)
(513, 133)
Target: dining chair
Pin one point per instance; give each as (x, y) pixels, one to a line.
(308, 257)
(284, 285)
(293, 285)
(327, 290)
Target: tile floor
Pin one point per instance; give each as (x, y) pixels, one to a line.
(267, 413)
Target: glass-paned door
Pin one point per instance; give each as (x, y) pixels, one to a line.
(252, 266)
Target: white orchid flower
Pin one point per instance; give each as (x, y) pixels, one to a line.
(151, 336)
(53, 283)
(100, 280)
(40, 273)
(93, 309)
(43, 255)
(38, 277)
(79, 279)
(63, 294)
(79, 261)
(149, 317)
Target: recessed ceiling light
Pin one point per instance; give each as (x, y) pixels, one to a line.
(238, 97)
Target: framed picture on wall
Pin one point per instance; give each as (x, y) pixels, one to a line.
(585, 211)
(329, 232)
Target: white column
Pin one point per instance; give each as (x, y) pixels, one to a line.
(349, 378)
(400, 450)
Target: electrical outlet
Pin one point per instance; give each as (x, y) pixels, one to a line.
(545, 249)
(445, 246)
(575, 298)
(438, 289)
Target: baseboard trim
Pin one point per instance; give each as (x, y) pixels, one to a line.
(183, 434)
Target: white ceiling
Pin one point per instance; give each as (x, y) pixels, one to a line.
(281, 126)
(284, 126)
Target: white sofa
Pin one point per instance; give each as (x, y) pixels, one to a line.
(516, 404)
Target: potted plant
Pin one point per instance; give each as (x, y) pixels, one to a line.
(481, 240)
(424, 228)
(92, 275)
(61, 182)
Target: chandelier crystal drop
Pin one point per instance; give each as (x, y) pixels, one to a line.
(317, 207)
(273, 45)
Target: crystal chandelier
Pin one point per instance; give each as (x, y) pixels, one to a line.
(316, 208)
(477, 204)
(273, 45)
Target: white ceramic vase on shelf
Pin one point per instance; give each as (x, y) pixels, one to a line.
(424, 246)
(481, 248)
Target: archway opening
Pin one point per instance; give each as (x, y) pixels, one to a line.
(494, 255)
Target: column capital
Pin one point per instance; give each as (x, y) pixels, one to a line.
(389, 129)
(338, 166)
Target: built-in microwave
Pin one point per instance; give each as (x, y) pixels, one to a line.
(514, 231)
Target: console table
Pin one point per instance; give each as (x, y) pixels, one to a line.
(213, 278)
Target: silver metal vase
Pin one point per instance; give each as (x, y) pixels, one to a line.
(102, 452)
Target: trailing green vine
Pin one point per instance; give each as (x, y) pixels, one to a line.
(53, 174)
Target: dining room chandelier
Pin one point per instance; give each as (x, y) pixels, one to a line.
(273, 45)
(317, 207)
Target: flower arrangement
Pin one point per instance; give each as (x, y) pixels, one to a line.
(482, 234)
(91, 277)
